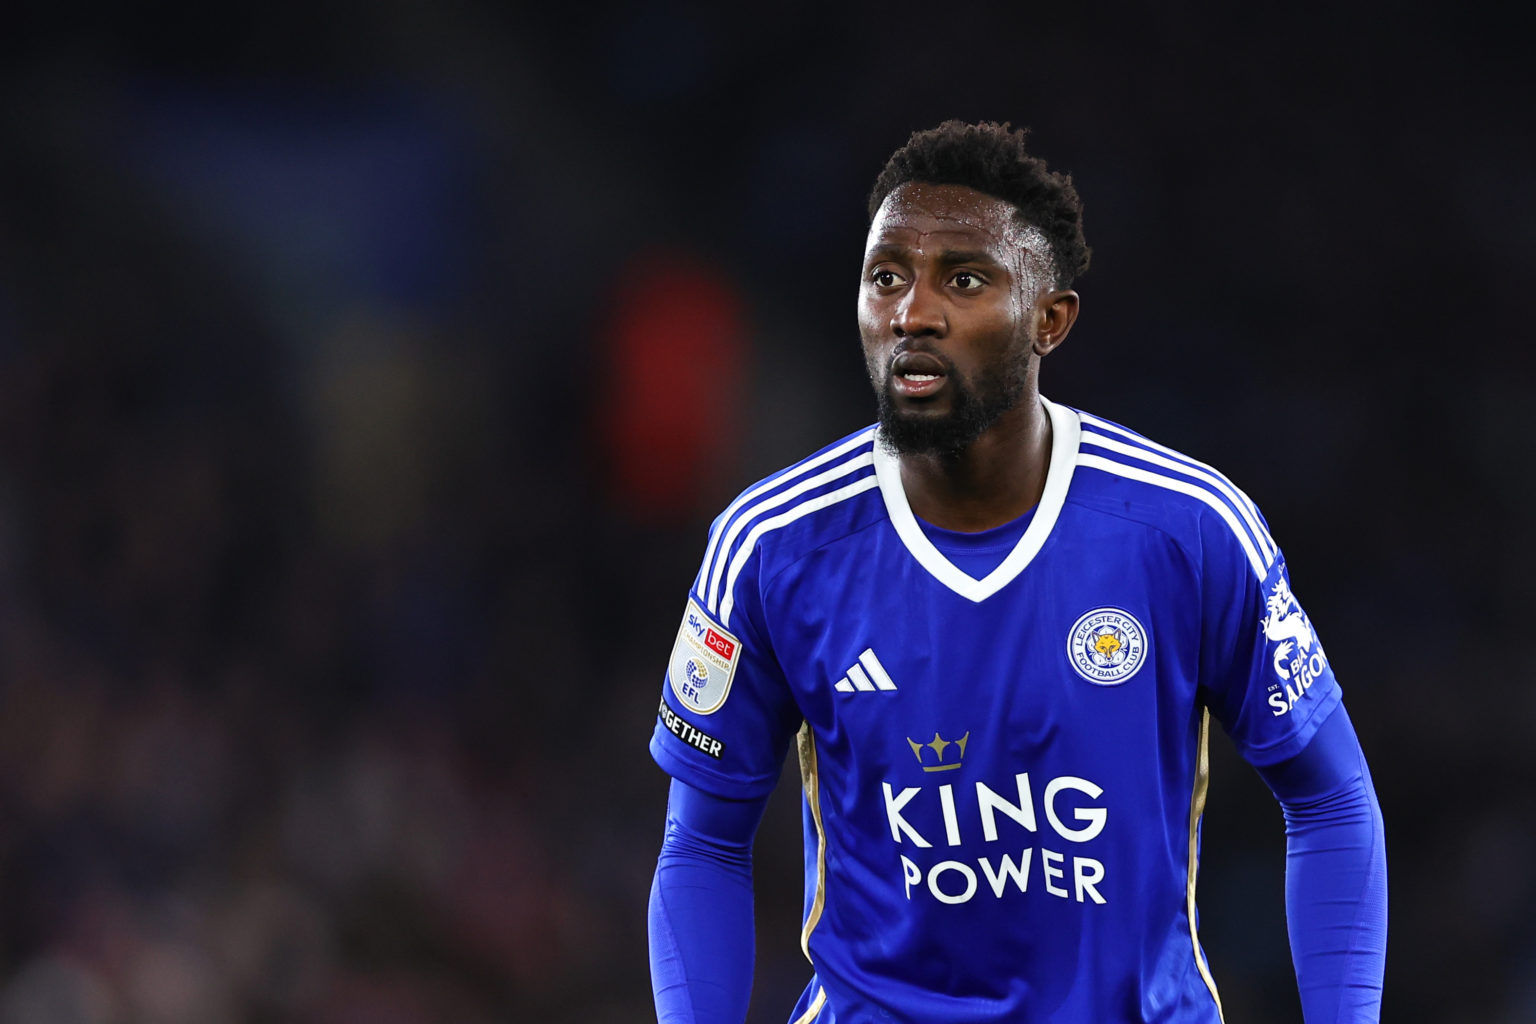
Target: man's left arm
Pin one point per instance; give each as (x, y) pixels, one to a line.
(1336, 874)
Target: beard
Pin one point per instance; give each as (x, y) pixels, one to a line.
(973, 407)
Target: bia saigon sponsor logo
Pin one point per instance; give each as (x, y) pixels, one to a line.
(703, 662)
(1107, 646)
(1298, 658)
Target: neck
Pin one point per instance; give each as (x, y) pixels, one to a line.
(998, 478)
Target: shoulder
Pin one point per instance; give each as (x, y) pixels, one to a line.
(1123, 473)
(820, 499)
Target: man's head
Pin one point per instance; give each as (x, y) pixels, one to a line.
(991, 158)
(972, 245)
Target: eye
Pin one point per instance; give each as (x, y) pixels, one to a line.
(884, 277)
(967, 281)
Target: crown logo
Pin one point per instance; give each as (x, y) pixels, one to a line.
(944, 760)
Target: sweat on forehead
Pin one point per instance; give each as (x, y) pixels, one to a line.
(926, 209)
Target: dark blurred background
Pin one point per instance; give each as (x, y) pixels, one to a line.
(370, 372)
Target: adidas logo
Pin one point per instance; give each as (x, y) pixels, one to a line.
(867, 674)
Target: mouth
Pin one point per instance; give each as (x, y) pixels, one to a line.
(918, 374)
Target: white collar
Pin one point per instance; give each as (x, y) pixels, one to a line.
(1065, 432)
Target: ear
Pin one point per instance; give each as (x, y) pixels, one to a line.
(1055, 313)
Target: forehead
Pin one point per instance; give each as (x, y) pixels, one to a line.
(919, 214)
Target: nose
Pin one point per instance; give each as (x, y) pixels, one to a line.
(920, 312)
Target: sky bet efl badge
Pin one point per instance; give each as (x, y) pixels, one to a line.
(703, 662)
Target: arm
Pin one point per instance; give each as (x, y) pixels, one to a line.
(1336, 874)
(701, 908)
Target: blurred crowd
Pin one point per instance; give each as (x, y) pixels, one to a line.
(369, 376)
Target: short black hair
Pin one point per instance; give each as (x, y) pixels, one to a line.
(990, 157)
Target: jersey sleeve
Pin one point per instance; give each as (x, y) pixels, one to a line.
(727, 714)
(1263, 669)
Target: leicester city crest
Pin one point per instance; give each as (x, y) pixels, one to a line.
(1107, 646)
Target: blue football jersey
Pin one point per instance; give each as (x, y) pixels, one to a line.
(1003, 774)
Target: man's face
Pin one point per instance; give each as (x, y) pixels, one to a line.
(946, 313)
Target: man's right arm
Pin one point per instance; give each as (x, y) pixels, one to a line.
(701, 934)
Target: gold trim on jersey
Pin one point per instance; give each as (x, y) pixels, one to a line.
(1196, 809)
(811, 782)
(815, 1007)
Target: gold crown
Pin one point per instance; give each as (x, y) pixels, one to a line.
(939, 745)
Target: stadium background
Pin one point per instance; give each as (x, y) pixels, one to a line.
(369, 374)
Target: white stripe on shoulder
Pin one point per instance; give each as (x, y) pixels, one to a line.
(861, 438)
(784, 497)
(805, 508)
(1259, 564)
(1179, 456)
(1243, 507)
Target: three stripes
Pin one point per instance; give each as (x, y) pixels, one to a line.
(867, 675)
(716, 583)
(744, 522)
(1204, 484)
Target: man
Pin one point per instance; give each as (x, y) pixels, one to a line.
(999, 627)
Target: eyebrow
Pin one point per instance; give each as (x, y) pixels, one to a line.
(945, 257)
(949, 257)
